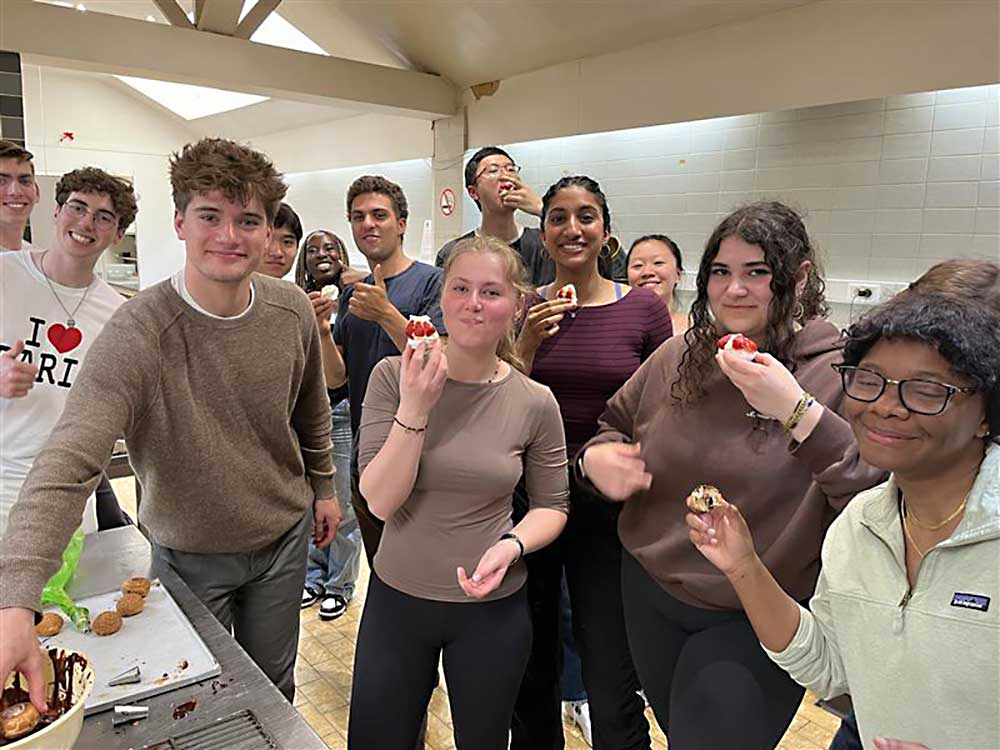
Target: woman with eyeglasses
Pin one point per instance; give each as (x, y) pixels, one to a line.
(902, 615)
(766, 433)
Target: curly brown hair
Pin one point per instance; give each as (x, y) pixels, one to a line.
(781, 234)
(516, 277)
(239, 172)
(370, 183)
(96, 180)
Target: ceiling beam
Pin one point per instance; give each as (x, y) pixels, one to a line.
(220, 16)
(252, 21)
(174, 13)
(63, 38)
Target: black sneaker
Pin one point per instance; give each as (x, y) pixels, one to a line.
(310, 597)
(332, 607)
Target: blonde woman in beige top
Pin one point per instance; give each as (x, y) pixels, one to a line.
(447, 431)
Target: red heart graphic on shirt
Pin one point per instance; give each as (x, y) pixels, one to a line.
(64, 339)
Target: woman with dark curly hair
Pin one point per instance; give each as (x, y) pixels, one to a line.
(900, 617)
(767, 433)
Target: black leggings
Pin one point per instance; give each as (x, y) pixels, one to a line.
(709, 682)
(485, 647)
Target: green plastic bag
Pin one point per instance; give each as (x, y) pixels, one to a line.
(55, 590)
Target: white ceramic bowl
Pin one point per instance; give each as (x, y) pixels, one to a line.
(62, 733)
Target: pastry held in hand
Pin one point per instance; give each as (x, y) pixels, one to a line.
(18, 720)
(568, 293)
(420, 330)
(330, 292)
(743, 347)
(704, 498)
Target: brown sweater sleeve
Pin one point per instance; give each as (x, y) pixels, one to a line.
(546, 478)
(115, 388)
(311, 415)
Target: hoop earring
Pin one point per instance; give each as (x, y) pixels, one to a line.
(799, 311)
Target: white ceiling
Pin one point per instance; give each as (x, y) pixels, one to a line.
(466, 42)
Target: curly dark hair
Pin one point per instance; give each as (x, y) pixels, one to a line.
(781, 234)
(95, 180)
(303, 278)
(238, 171)
(965, 334)
(377, 184)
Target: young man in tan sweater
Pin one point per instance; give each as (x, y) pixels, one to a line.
(214, 378)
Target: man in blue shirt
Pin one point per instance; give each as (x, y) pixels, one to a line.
(373, 313)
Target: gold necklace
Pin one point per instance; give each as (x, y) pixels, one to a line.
(945, 522)
(906, 531)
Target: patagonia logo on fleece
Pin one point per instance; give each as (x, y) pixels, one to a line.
(971, 601)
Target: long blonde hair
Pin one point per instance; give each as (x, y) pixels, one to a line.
(514, 275)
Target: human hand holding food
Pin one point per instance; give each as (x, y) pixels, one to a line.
(719, 531)
(323, 308)
(542, 322)
(515, 194)
(421, 381)
(765, 383)
(19, 651)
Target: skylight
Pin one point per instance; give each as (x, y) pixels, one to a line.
(193, 102)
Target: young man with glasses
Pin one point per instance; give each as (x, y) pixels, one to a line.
(18, 194)
(493, 181)
(52, 308)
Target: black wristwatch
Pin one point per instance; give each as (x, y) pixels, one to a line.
(520, 544)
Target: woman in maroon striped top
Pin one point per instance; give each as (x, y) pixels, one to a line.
(584, 351)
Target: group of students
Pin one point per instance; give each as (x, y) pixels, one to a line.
(538, 439)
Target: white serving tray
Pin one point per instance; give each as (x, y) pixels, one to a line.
(160, 640)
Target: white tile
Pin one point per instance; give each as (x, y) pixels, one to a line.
(707, 141)
(956, 116)
(786, 115)
(951, 194)
(707, 182)
(989, 194)
(895, 245)
(853, 126)
(780, 134)
(844, 175)
(891, 269)
(990, 167)
(711, 162)
(903, 101)
(955, 142)
(992, 113)
(844, 267)
(987, 246)
(987, 221)
(861, 197)
(842, 108)
(737, 180)
(729, 201)
(858, 245)
(991, 141)
(735, 160)
(671, 204)
(895, 171)
(962, 95)
(812, 199)
(949, 220)
(900, 196)
(906, 146)
(898, 221)
(740, 138)
(944, 245)
(777, 156)
(851, 222)
(953, 168)
(702, 202)
(909, 120)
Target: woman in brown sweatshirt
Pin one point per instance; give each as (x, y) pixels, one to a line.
(691, 416)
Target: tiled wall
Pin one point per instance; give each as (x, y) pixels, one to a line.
(888, 186)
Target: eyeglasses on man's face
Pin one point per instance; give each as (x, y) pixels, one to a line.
(102, 218)
(920, 396)
(495, 170)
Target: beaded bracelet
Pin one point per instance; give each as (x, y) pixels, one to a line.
(415, 430)
(805, 401)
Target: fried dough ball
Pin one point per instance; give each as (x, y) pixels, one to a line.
(130, 604)
(704, 497)
(107, 623)
(18, 720)
(136, 585)
(50, 624)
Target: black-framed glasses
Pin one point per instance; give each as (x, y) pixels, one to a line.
(495, 170)
(102, 218)
(927, 397)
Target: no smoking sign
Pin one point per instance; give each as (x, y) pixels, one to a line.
(447, 202)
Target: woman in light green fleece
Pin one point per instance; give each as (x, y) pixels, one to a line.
(906, 615)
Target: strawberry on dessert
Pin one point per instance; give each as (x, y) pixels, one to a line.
(505, 186)
(568, 292)
(740, 344)
(420, 330)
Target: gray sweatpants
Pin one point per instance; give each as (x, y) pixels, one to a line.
(255, 595)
